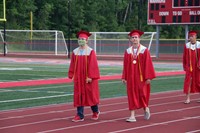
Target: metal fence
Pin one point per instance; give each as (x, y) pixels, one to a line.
(117, 47)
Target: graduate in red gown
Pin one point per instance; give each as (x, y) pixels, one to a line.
(138, 71)
(84, 72)
(191, 65)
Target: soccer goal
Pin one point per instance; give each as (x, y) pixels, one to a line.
(115, 43)
(35, 42)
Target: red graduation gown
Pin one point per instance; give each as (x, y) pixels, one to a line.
(85, 94)
(191, 77)
(138, 91)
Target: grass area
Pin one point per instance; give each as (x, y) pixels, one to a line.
(25, 71)
(20, 97)
(165, 69)
(17, 72)
(53, 94)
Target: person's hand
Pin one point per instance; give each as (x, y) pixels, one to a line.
(148, 81)
(88, 80)
(123, 81)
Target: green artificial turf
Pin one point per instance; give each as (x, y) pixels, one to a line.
(53, 94)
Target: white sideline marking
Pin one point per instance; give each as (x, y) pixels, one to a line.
(27, 99)
(40, 97)
(35, 88)
(13, 69)
(32, 91)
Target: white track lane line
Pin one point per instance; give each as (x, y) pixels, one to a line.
(57, 119)
(89, 124)
(73, 109)
(106, 99)
(156, 124)
(194, 131)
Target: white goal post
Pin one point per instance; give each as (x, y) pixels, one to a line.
(35, 41)
(114, 43)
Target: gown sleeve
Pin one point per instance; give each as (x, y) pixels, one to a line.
(93, 69)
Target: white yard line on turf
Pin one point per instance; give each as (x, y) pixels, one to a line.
(36, 88)
(30, 91)
(36, 98)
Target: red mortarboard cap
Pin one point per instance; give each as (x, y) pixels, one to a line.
(136, 32)
(192, 32)
(83, 34)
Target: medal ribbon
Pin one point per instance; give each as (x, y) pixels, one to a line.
(137, 55)
(137, 52)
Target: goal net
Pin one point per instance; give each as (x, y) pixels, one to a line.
(115, 43)
(34, 42)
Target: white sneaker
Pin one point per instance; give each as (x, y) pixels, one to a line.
(131, 119)
(147, 114)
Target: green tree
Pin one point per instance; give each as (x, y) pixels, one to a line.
(18, 13)
(42, 15)
(90, 15)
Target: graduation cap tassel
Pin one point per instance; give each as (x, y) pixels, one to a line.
(86, 64)
(141, 77)
(190, 66)
(190, 60)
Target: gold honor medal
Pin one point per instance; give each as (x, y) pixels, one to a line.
(134, 61)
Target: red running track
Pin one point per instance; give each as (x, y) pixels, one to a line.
(168, 114)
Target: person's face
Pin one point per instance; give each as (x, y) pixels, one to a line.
(82, 41)
(135, 39)
(192, 38)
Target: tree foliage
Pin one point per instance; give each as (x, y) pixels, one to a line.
(91, 15)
